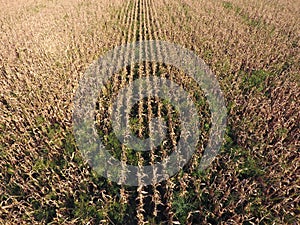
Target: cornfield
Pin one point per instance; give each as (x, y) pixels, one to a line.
(252, 47)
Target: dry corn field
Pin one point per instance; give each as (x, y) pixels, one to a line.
(252, 47)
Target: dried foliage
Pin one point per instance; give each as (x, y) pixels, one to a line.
(251, 46)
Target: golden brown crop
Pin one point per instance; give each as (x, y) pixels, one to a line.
(251, 46)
